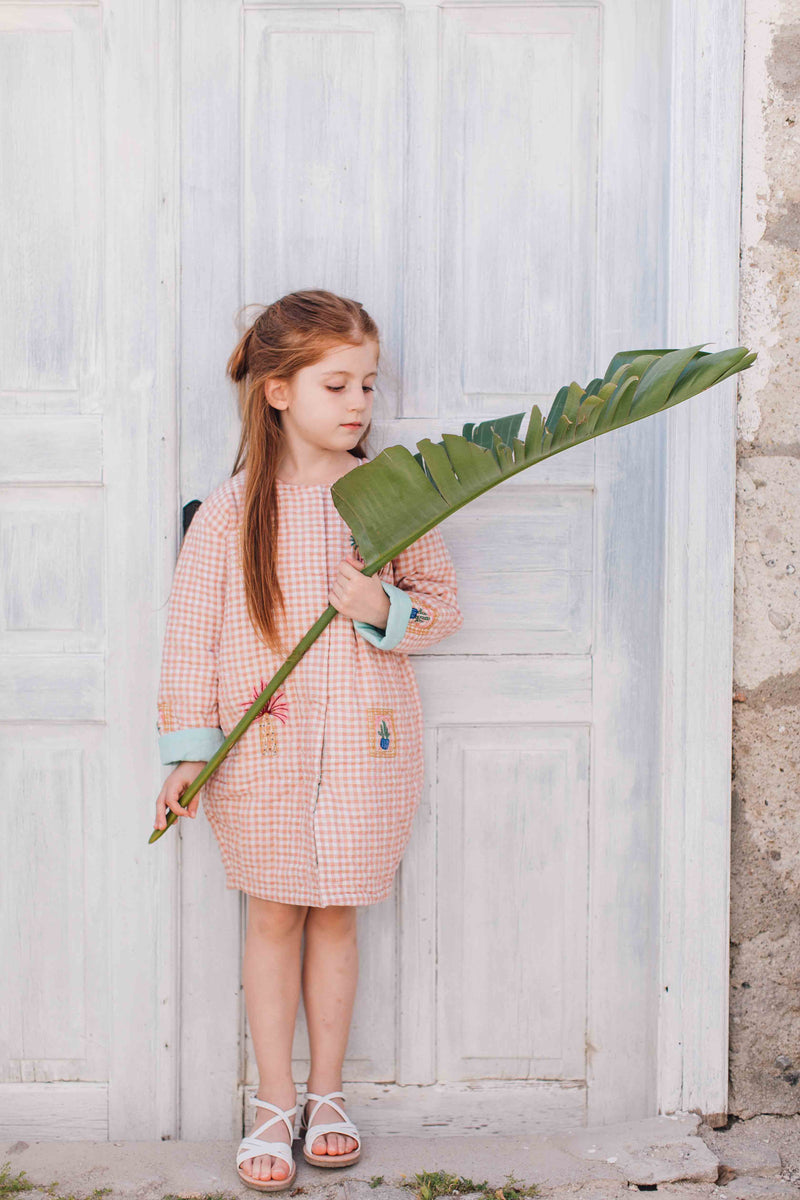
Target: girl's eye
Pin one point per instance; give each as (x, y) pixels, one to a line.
(341, 388)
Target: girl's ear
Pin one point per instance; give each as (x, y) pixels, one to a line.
(274, 393)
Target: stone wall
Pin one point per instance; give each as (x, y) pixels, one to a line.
(765, 867)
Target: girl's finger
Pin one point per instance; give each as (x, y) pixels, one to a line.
(179, 809)
(174, 803)
(348, 567)
(161, 810)
(339, 590)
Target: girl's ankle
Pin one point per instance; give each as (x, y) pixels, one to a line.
(281, 1095)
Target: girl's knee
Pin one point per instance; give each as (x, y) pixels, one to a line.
(271, 918)
(333, 917)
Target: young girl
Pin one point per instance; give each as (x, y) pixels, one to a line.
(313, 806)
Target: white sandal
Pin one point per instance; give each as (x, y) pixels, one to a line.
(253, 1146)
(312, 1132)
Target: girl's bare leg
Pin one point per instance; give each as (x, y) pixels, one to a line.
(330, 975)
(271, 979)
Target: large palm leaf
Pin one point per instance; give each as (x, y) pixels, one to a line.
(390, 502)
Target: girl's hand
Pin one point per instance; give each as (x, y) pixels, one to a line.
(175, 785)
(358, 596)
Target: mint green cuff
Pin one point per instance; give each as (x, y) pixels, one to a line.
(189, 745)
(396, 623)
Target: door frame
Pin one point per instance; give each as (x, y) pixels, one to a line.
(707, 80)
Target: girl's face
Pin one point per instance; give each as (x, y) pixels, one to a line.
(328, 404)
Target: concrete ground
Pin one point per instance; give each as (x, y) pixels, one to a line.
(676, 1156)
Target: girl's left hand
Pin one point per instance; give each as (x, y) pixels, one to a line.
(358, 596)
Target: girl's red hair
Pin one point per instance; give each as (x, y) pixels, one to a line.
(292, 333)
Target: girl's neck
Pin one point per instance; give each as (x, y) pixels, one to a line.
(305, 482)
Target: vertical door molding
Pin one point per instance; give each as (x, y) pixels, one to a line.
(707, 61)
(142, 522)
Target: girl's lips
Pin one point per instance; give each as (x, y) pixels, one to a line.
(352, 424)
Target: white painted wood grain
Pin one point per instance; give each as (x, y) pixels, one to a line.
(699, 552)
(140, 275)
(504, 1108)
(69, 1111)
(53, 919)
(52, 558)
(631, 312)
(50, 254)
(203, 438)
(53, 449)
(512, 876)
(517, 177)
(543, 687)
(329, 80)
(416, 967)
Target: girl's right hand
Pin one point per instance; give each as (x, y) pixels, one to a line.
(175, 785)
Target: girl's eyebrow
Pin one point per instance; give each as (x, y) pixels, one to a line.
(325, 374)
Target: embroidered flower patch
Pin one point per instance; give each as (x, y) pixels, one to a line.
(381, 732)
(276, 709)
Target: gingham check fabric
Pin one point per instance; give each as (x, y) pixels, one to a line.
(315, 802)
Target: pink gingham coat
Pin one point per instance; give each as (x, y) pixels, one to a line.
(315, 802)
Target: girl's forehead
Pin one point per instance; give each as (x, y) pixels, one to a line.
(344, 359)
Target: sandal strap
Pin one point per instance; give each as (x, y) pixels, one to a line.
(313, 1131)
(344, 1127)
(281, 1114)
(253, 1147)
(324, 1100)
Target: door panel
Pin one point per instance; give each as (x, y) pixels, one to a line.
(512, 941)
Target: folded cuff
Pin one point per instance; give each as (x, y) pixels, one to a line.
(189, 745)
(396, 623)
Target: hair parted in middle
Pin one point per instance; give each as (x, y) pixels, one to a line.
(291, 333)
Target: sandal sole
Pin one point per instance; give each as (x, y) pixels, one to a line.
(332, 1160)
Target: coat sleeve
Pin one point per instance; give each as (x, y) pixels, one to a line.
(188, 707)
(423, 599)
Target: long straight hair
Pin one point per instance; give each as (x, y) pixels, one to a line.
(289, 334)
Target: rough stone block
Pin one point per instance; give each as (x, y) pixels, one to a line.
(746, 1160)
(753, 1187)
(689, 1159)
(655, 1150)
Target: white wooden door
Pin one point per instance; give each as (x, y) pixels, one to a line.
(505, 187)
(490, 180)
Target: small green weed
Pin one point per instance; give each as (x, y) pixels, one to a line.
(376, 1181)
(50, 1190)
(200, 1196)
(11, 1184)
(430, 1184)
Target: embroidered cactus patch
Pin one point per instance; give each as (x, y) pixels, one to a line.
(382, 732)
(421, 619)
